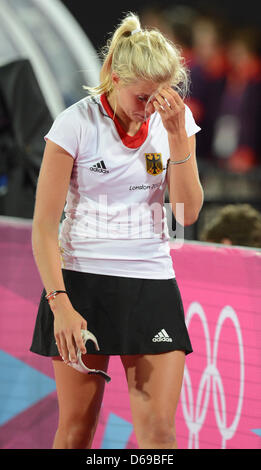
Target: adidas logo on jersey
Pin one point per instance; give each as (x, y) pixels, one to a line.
(162, 336)
(99, 167)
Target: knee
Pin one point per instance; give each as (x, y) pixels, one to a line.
(162, 435)
(75, 435)
(159, 432)
(79, 437)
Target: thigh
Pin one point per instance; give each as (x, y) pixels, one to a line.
(154, 383)
(79, 395)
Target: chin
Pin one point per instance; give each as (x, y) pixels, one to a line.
(139, 118)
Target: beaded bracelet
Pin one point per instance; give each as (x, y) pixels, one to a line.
(171, 162)
(54, 293)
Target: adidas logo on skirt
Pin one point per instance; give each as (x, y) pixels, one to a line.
(162, 336)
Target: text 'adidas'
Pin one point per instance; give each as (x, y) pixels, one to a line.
(162, 336)
(99, 167)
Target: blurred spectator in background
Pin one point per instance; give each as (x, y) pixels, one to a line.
(208, 76)
(225, 97)
(225, 82)
(234, 224)
(201, 38)
(226, 92)
(237, 142)
(153, 16)
(174, 22)
(180, 19)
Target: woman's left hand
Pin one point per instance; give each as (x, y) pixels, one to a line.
(171, 108)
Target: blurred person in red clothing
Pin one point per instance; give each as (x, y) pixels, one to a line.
(225, 95)
(237, 141)
(208, 69)
(180, 19)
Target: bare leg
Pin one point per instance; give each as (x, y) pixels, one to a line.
(79, 398)
(154, 383)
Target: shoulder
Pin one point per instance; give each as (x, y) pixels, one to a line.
(78, 119)
(78, 111)
(190, 123)
(74, 128)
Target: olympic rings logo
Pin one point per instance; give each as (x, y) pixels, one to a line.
(195, 418)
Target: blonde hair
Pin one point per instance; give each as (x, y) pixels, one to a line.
(144, 55)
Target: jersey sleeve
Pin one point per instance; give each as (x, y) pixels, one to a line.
(190, 124)
(65, 132)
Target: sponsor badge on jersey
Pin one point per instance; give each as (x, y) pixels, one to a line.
(154, 164)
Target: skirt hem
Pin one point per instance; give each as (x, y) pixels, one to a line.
(99, 353)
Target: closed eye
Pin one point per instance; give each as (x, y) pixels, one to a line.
(142, 98)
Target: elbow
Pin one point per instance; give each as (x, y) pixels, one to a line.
(191, 219)
(188, 217)
(191, 215)
(187, 213)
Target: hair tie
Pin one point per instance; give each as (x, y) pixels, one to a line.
(137, 30)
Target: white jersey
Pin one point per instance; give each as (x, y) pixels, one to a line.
(115, 220)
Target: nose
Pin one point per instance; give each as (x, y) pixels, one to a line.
(149, 109)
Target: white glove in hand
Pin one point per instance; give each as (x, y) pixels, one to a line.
(79, 365)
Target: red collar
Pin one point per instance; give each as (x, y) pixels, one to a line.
(129, 141)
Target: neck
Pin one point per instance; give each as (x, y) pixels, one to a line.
(131, 127)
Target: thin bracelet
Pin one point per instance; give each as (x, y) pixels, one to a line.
(171, 162)
(54, 293)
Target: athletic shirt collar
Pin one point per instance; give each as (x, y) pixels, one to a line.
(129, 141)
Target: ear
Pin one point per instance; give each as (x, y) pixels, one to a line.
(226, 241)
(115, 78)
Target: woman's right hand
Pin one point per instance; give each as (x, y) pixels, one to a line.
(68, 324)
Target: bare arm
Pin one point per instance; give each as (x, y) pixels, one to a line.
(183, 179)
(52, 188)
(51, 194)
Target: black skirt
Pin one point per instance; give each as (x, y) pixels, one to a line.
(127, 315)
